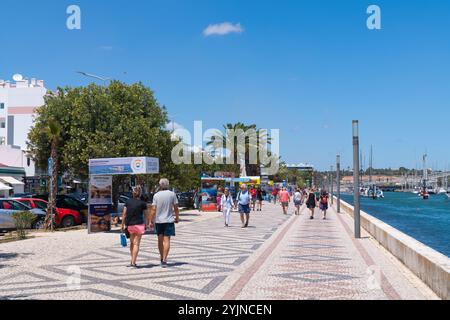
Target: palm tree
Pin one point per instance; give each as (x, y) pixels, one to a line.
(238, 132)
(54, 134)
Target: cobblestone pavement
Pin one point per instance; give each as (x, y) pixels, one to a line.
(277, 257)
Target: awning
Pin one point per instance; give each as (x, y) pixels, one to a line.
(11, 180)
(4, 187)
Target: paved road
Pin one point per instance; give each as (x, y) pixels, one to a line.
(277, 257)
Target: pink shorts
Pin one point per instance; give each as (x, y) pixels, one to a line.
(137, 229)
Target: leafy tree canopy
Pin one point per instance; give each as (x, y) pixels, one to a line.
(96, 122)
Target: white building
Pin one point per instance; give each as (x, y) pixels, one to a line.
(16, 157)
(18, 100)
(300, 166)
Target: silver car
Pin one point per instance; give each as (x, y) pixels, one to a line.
(10, 206)
(121, 204)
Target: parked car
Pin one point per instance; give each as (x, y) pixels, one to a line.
(64, 218)
(67, 202)
(186, 199)
(122, 200)
(83, 197)
(10, 206)
(23, 195)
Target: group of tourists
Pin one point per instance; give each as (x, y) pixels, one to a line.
(244, 199)
(312, 198)
(257, 196)
(161, 216)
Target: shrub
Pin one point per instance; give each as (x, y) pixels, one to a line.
(24, 220)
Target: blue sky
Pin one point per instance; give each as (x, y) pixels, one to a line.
(305, 67)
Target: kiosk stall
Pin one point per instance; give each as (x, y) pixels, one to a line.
(100, 186)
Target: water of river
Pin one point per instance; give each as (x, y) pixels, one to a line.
(428, 221)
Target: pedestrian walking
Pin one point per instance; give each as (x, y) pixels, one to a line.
(298, 197)
(219, 200)
(323, 203)
(165, 204)
(311, 202)
(285, 198)
(275, 195)
(259, 198)
(253, 194)
(134, 214)
(227, 205)
(243, 203)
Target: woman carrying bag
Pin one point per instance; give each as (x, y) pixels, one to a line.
(133, 222)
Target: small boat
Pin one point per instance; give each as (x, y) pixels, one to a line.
(372, 193)
(424, 194)
(441, 191)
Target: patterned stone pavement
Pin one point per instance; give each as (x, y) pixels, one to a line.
(277, 257)
(319, 259)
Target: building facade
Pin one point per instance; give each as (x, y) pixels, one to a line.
(19, 99)
(300, 166)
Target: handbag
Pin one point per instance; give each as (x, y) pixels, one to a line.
(123, 239)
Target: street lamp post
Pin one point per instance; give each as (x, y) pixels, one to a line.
(331, 185)
(356, 193)
(89, 75)
(338, 182)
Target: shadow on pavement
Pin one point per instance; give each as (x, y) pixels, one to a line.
(169, 265)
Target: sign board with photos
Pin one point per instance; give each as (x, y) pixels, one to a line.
(100, 204)
(131, 165)
(100, 186)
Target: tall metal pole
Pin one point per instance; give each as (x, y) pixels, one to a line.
(338, 182)
(332, 185)
(356, 168)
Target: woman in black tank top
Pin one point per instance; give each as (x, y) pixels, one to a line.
(311, 203)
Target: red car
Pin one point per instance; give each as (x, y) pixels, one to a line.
(64, 218)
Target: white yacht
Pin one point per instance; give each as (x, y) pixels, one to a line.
(369, 192)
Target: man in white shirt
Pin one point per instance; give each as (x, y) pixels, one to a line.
(165, 203)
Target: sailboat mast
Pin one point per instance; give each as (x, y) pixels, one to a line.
(425, 172)
(371, 165)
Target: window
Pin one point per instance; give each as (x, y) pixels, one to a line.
(2, 124)
(28, 162)
(13, 205)
(2, 105)
(40, 204)
(26, 202)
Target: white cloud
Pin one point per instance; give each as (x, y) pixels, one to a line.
(173, 126)
(222, 29)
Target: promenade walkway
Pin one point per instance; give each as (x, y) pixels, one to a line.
(277, 257)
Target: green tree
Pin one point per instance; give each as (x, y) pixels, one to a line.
(118, 120)
(233, 134)
(54, 134)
